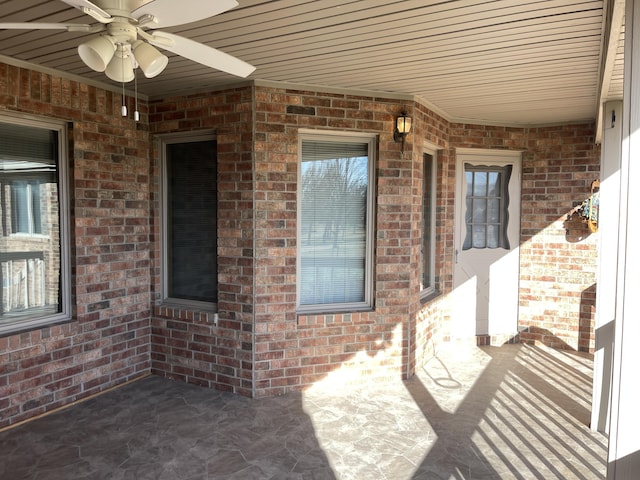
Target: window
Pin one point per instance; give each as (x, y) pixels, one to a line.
(487, 206)
(25, 207)
(428, 217)
(34, 252)
(190, 272)
(335, 221)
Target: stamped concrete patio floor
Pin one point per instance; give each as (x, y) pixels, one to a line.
(515, 411)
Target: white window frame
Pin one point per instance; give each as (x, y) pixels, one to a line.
(431, 288)
(355, 137)
(165, 140)
(64, 315)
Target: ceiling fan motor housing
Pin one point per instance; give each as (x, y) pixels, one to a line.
(122, 31)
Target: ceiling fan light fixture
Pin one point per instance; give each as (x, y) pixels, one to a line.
(120, 68)
(97, 52)
(124, 22)
(151, 61)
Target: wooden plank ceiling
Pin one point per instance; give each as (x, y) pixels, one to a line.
(512, 62)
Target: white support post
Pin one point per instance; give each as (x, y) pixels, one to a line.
(608, 225)
(624, 440)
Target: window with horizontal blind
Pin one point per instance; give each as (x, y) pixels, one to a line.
(335, 222)
(34, 248)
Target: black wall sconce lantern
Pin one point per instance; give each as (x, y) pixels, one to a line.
(402, 128)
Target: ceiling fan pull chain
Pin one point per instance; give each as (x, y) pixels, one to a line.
(124, 98)
(136, 113)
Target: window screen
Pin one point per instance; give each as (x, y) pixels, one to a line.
(191, 221)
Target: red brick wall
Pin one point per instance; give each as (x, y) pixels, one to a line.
(291, 351)
(107, 341)
(428, 316)
(557, 258)
(260, 346)
(294, 351)
(187, 345)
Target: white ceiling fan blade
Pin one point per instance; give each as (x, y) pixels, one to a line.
(167, 13)
(201, 53)
(86, 4)
(70, 27)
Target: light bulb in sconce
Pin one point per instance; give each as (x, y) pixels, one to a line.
(401, 128)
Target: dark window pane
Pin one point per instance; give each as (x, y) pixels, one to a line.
(480, 184)
(192, 221)
(427, 220)
(479, 236)
(493, 210)
(493, 236)
(494, 184)
(479, 210)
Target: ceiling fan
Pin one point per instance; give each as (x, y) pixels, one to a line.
(128, 36)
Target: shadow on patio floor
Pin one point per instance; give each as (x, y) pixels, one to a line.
(515, 411)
